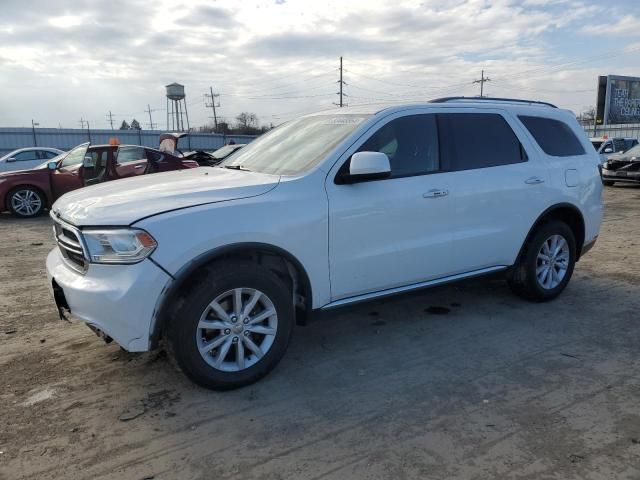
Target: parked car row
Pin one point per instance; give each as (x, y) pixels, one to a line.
(26, 192)
(619, 159)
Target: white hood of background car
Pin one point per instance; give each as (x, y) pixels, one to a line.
(122, 202)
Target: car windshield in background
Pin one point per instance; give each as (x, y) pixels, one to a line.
(47, 162)
(224, 151)
(633, 151)
(296, 146)
(596, 144)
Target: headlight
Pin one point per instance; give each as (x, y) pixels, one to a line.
(123, 245)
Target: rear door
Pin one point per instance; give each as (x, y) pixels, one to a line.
(130, 161)
(498, 189)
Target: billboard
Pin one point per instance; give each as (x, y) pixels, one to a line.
(618, 100)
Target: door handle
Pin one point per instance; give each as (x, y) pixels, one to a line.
(435, 193)
(139, 166)
(534, 180)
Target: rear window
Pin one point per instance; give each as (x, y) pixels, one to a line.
(554, 137)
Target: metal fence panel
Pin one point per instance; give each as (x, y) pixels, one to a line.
(67, 138)
(631, 130)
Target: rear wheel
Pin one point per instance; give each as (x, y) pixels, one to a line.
(25, 202)
(545, 267)
(233, 327)
(608, 183)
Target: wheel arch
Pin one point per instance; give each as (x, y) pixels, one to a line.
(275, 258)
(566, 212)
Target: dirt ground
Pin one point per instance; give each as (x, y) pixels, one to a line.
(483, 386)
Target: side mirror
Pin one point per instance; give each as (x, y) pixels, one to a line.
(52, 165)
(11, 159)
(368, 166)
(88, 162)
(608, 150)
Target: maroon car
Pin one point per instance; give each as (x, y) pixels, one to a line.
(26, 193)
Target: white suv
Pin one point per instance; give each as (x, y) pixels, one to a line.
(324, 211)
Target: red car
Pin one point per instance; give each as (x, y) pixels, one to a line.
(26, 193)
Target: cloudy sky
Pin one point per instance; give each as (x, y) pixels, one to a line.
(61, 60)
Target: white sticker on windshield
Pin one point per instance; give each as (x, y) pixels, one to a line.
(343, 121)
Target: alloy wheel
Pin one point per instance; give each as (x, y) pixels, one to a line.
(237, 329)
(552, 262)
(26, 202)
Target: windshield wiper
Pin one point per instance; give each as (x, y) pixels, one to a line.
(236, 167)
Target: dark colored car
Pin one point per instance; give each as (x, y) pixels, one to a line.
(225, 152)
(26, 193)
(622, 167)
(169, 143)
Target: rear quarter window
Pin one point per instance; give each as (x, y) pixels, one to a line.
(554, 136)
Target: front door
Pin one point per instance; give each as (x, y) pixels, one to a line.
(67, 176)
(392, 232)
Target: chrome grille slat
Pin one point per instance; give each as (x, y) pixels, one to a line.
(69, 243)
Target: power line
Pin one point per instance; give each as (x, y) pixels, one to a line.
(212, 96)
(482, 81)
(151, 124)
(341, 83)
(110, 119)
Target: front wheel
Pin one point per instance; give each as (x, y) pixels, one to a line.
(233, 326)
(546, 265)
(25, 202)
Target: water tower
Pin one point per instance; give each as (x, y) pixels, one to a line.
(176, 107)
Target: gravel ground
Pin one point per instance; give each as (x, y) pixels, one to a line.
(483, 386)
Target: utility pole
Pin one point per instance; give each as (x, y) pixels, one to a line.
(33, 130)
(341, 94)
(110, 119)
(212, 96)
(481, 82)
(148, 110)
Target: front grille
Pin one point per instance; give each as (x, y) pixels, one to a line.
(69, 242)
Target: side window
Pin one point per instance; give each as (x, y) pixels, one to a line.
(477, 140)
(26, 156)
(49, 155)
(130, 154)
(411, 143)
(554, 137)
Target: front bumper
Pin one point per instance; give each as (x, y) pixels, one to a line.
(118, 300)
(620, 176)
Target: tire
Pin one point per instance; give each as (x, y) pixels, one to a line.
(608, 183)
(218, 367)
(26, 202)
(528, 278)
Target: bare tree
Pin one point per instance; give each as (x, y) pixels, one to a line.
(247, 120)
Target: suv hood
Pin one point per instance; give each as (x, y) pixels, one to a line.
(122, 202)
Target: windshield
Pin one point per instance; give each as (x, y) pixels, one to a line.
(296, 146)
(596, 144)
(54, 159)
(634, 151)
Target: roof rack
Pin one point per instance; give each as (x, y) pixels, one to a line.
(490, 99)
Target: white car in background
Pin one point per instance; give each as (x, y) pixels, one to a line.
(27, 158)
(328, 210)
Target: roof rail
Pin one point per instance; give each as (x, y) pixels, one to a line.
(490, 99)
